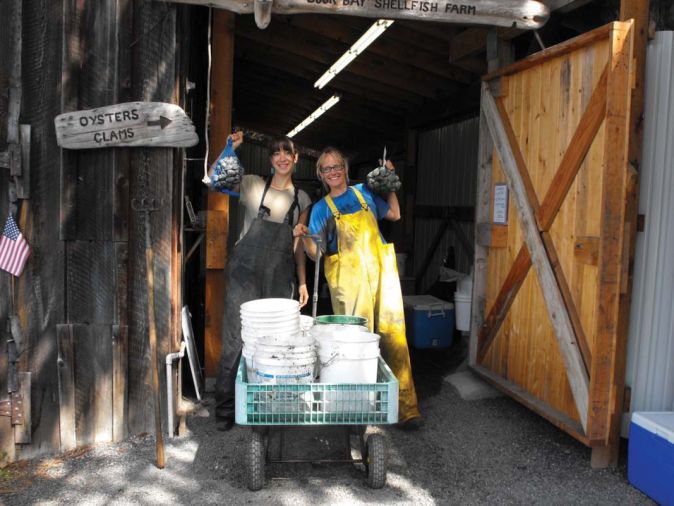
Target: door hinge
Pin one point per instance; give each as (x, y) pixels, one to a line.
(13, 407)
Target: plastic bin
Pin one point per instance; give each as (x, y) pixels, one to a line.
(650, 457)
(318, 403)
(429, 321)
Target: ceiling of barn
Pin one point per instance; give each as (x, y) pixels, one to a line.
(416, 74)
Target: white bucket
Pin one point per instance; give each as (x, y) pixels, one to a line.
(462, 303)
(282, 370)
(267, 306)
(349, 358)
(306, 322)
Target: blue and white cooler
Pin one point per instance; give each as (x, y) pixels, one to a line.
(650, 457)
(429, 321)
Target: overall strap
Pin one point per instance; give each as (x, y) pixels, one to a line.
(263, 210)
(289, 215)
(332, 206)
(361, 199)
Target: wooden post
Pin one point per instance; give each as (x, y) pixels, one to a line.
(638, 10)
(221, 125)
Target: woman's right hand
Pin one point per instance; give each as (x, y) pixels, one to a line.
(300, 230)
(237, 139)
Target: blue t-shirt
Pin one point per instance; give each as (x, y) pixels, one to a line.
(322, 222)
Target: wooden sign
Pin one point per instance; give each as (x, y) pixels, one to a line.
(153, 124)
(525, 14)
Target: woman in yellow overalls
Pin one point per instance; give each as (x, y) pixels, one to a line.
(361, 268)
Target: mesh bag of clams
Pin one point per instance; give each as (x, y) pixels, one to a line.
(382, 180)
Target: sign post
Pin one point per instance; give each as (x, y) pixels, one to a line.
(153, 124)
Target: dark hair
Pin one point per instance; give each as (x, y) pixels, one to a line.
(282, 144)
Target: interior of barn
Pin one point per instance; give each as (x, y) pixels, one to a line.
(414, 91)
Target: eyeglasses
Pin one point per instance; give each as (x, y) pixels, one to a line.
(331, 168)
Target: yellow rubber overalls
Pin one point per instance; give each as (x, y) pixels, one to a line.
(363, 281)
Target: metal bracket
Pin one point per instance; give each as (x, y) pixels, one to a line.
(13, 407)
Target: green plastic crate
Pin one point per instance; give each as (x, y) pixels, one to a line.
(318, 403)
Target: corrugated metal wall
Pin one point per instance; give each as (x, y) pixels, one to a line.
(650, 357)
(447, 168)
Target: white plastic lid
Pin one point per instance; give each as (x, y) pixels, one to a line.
(426, 303)
(660, 423)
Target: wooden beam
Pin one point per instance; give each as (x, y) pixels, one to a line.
(576, 373)
(608, 368)
(221, 118)
(66, 386)
(482, 207)
(553, 52)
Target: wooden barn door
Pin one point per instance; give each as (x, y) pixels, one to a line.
(553, 225)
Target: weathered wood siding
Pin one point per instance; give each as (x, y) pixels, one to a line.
(82, 297)
(546, 101)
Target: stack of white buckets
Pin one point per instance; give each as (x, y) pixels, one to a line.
(281, 346)
(275, 347)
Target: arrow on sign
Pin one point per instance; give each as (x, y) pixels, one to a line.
(163, 122)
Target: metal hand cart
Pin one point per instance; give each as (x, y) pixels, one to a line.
(354, 406)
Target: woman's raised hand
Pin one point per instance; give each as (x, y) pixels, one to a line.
(300, 230)
(237, 139)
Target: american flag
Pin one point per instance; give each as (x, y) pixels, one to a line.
(14, 249)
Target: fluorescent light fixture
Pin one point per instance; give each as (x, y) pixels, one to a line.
(358, 47)
(314, 115)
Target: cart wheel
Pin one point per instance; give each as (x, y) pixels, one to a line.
(257, 453)
(375, 461)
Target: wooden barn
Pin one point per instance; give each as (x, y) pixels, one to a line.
(539, 196)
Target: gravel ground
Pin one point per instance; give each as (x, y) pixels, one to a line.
(480, 452)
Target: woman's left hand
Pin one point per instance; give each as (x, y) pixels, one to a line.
(300, 230)
(304, 295)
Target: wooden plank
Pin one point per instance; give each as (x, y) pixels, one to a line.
(521, 165)
(575, 153)
(586, 250)
(120, 350)
(221, 83)
(557, 313)
(504, 299)
(40, 291)
(151, 176)
(552, 52)
(608, 360)
(555, 417)
(90, 267)
(66, 382)
(121, 309)
(22, 432)
(571, 308)
(638, 10)
(152, 124)
(482, 207)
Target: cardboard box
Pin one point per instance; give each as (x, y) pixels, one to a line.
(650, 457)
(429, 321)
